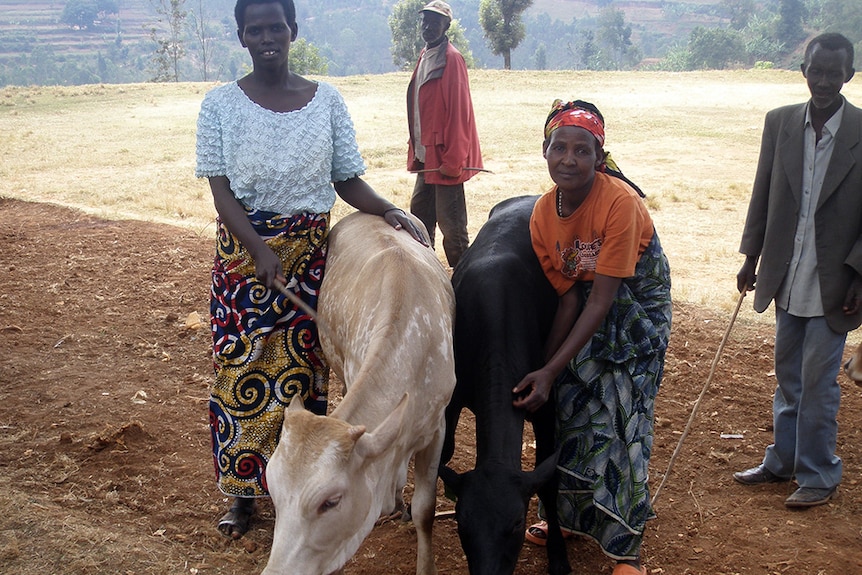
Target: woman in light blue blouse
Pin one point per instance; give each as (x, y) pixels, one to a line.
(276, 148)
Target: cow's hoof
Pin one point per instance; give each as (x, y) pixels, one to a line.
(559, 566)
(561, 570)
(394, 516)
(234, 523)
(407, 516)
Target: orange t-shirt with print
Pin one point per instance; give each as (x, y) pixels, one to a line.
(606, 234)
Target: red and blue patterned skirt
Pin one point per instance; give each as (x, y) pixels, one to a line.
(265, 349)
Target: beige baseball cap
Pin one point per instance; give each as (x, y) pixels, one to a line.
(439, 7)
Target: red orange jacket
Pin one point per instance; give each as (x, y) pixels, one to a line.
(446, 116)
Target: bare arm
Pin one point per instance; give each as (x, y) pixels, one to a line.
(267, 265)
(361, 196)
(537, 385)
(568, 308)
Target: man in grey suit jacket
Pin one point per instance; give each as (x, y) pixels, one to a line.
(804, 225)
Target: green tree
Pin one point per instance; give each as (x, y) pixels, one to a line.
(615, 36)
(204, 38)
(759, 39)
(739, 12)
(168, 38)
(540, 57)
(589, 51)
(676, 59)
(108, 7)
(305, 58)
(406, 37)
(503, 27)
(789, 29)
(845, 17)
(39, 67)
(80, 13)
(459, 39)
(407, 40)
(83, 13)
(714, 48)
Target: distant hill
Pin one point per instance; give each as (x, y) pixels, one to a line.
(36, 47)
(22, 21)
(671, 17)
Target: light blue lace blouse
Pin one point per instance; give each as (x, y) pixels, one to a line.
(282, 162)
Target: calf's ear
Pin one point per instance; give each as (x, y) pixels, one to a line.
(533, 480)
(296, 404)
(452, 481)
(370, 445)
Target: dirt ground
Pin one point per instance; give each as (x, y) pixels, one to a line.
(105, 461)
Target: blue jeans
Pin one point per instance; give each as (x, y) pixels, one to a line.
(805, 408)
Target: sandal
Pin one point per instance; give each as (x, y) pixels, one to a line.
(234, 523)
(537, 533)
(628, 569)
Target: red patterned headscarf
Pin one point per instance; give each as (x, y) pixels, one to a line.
(575, 114)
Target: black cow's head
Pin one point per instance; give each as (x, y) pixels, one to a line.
(491, 512)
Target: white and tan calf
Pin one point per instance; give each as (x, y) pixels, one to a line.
(853, 366)
(386, 311)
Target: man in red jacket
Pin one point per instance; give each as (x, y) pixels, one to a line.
(443, 144)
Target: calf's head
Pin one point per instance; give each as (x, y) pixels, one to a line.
(322, 489)
(853, 367)
(491, 512)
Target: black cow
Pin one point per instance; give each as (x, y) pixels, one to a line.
(504, 309)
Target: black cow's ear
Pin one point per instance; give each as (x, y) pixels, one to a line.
(452, 481)
(542, 474)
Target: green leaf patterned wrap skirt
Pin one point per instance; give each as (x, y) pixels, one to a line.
(605, 403)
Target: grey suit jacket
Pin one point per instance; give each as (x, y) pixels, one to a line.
(773, 212)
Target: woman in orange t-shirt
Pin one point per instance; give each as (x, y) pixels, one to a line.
(604, 357)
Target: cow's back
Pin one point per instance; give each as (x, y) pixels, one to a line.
(386, 310)
(504, 309)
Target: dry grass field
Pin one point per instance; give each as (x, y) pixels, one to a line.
(690, 140)
(107, 240)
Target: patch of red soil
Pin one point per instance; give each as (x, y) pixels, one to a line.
(104, 445)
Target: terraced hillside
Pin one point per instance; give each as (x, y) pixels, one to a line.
(37, 48)
(659, 16)
(353, 35)
(26, 23)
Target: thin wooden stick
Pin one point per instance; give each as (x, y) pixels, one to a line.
(702, 394)
(438, 169)
(294, 299)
